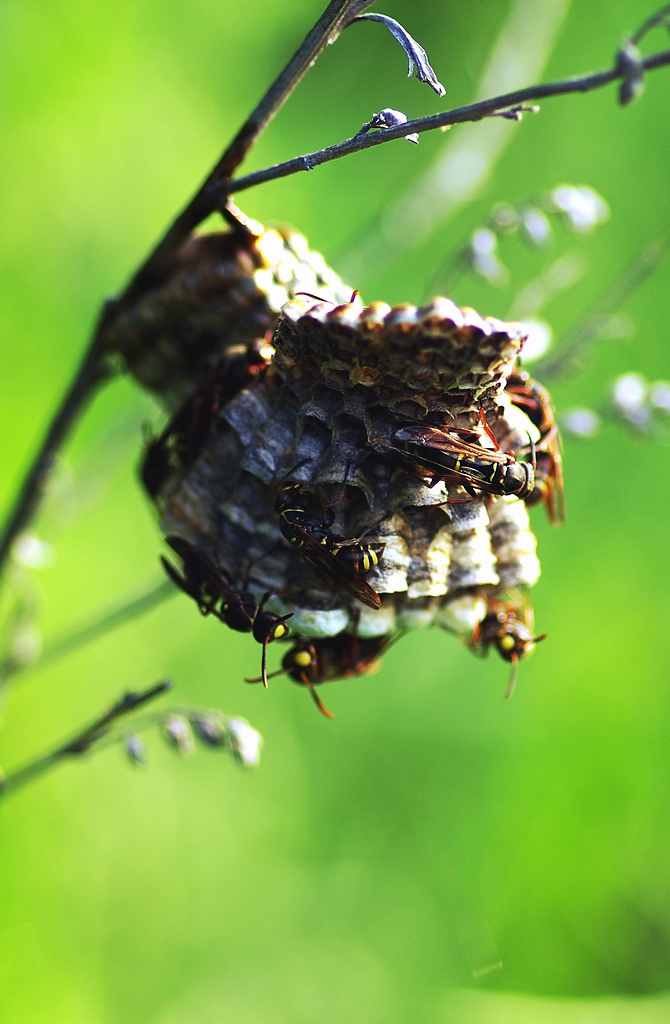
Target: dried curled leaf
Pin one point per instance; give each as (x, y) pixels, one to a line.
(417, 57)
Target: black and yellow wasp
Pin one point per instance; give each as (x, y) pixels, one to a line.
(305, 524)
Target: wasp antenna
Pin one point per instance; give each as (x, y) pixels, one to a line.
(512, 677)
(269, 675)
(311, 295)
(264, 670)
(361, 536)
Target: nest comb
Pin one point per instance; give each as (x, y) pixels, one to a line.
(344, 378)
(221, 290)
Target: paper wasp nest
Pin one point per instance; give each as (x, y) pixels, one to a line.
(221, 290)
(321, 398)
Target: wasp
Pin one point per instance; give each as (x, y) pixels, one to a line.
(306, 525)
(182, 440)
(213, 592)
(446, 455)
(312, 662)
(507, 626)
(534, 400)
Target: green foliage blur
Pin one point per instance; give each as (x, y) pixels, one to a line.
(434, 854)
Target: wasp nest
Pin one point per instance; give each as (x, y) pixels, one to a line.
(366, 473)
(221, 291)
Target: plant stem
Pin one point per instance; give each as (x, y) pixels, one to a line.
(72, 639)
(93, 371)
(459, 115)
(82, 742)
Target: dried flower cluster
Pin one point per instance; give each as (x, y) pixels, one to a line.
(338, 473)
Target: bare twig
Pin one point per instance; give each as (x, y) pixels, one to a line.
(518, 56)
(661, 17)
(72, 639)
(179, 727)
(92, 373)
(86, 738)
(495, 106)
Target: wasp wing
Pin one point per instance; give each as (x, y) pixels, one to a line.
(446, 441)
(439, 460)
(329, 567)
(555, 490)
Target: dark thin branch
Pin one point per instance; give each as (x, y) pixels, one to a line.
(72, 639)
(95, 369)
(661, 17)
(82, 742)
(357, 9)
(494, 106)
(629, 58)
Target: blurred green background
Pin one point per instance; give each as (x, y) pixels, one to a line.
(375, 867)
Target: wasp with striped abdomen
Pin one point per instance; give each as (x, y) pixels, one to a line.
(446, 455)
(323, 660)
(507, 626)
(306, 526)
